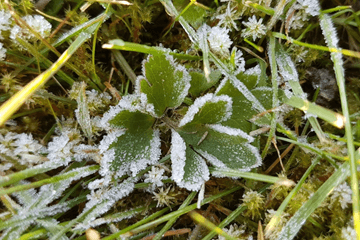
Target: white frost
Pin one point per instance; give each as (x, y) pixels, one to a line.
(178, 156)
(231, 131)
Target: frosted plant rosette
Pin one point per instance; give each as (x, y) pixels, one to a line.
(37, 22)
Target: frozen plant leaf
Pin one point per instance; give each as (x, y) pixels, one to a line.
(199, 83)
(250, 77)
(243, 109)
(102, 198)
(165, 83)
(82, 112)
(208, 109)
(189, 169)
(201, 136)
(136, 145)
(288, 71)
(224, 147)
(34, 206)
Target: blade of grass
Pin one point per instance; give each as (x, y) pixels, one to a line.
(135, 47)
(49, 180)
(171, 222)
(209, 225)
(332, 41)
(276, 218)
(14, 103)
(317, 47)
(247, 175)
(293, 226)
(139, 227)
(331, 117)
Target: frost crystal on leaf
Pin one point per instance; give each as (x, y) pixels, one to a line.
(178, 152)
(201, 101)
(254, 28)
(231, 131)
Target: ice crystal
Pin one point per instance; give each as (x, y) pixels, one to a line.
(155, 176)
(342, 194)
(220, 41)
(239, 61)
(37, 22)
(26, 144)
(234, 231)
(228, 18)
(7, 143)
(102, 199)
(4, 22)
(348, 233)
(311, 7)
(35, 205)
(61, 148)
(97, 100)
(231, 131)
(178, 156)
(254, 28)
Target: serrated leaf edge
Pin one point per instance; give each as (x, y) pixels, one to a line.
(186, 77)
(201, 101)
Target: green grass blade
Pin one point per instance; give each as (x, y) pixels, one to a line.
(135, 47)
(247, 175)
(331, 117)
(49, 180)
(332, 42)
(297, 221)
(171, 222)
(276, 218)
(14, 103)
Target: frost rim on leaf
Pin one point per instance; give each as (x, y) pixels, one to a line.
(230, 131)
(201, 101)
(185, 77)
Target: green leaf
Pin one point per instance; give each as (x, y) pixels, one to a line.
(250, 77)
(200, 136)
(189, 169)
(133, 121)
(242, 107)
(134, 150)
(165, 83)
(224, 147)
(199, 83)
(208, 109)
(133, 144)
